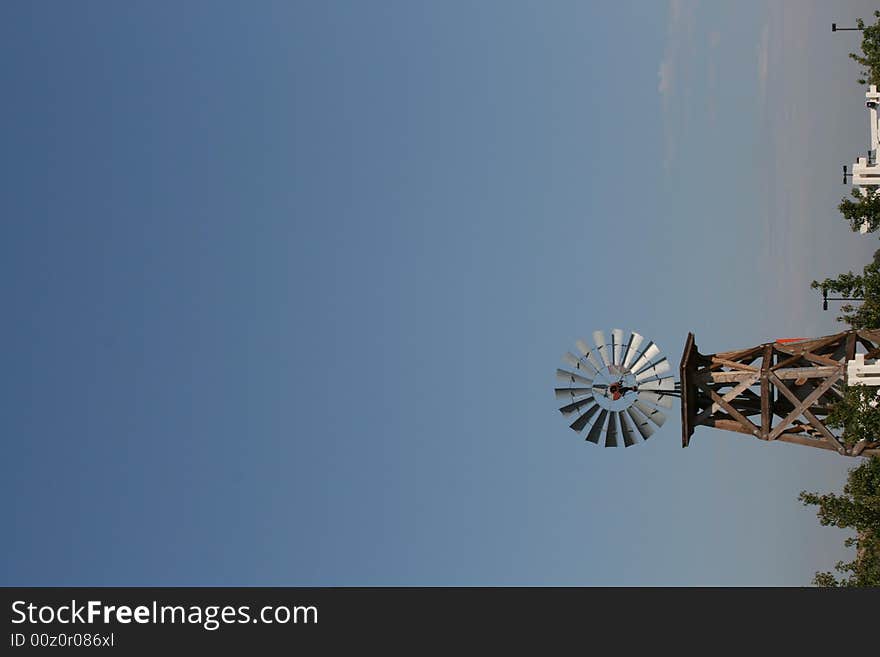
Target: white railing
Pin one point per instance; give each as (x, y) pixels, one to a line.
(860, 373)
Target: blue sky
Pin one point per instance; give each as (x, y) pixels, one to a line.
(286, 285)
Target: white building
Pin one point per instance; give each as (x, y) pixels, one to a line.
(865, 171)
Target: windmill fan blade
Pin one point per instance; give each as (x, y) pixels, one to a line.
(656, 369)
(625, 351)
(599, 339)
(571, 377)
(579, 364)
(649, 365)
(591, 357)
(660, 400)
(575, 406)
(571, 393)
(611, 436)
(632, 351)
(598, 425)
(650, 354)
(661, 368)
(581, 422)
(656, 416)
(661, 384)
(617, 345)
(629, 435)
(641, 422)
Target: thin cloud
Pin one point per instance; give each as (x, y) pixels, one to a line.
(673, 68)
(682, 19)
(667, 76)
(763, 60)
(712, 78)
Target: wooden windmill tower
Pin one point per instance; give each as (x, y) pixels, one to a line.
(777, 391)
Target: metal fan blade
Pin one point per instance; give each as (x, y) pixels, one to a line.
(629, 435)
(571, 393)
(611, 436)
(660, 400)
(656, 416)
(581, 422)
(641, 422)
(647, 367)
(658, 369)
(591, 357)
(617, 345)
(650, 354)
(633, 349)
(636, 358)
(661, 384)
(571, 377)
(625, 351)
(580, 364)
(576, 406)
(599, 339)
(598, 425)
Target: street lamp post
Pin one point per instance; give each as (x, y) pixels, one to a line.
(826, 299)
(834, 28)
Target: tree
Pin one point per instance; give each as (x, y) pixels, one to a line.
(859, 509)
(870, 57)
(866, 207)
(865, 286)
(857, 413)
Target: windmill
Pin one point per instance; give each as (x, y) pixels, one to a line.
(617, 388)
(777, 391)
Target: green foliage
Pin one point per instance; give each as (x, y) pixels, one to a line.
(865, 285)
(869, 60)
(859, 509)
(866, 207)
(855, 415)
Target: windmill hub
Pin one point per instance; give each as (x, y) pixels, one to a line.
(614, 388)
